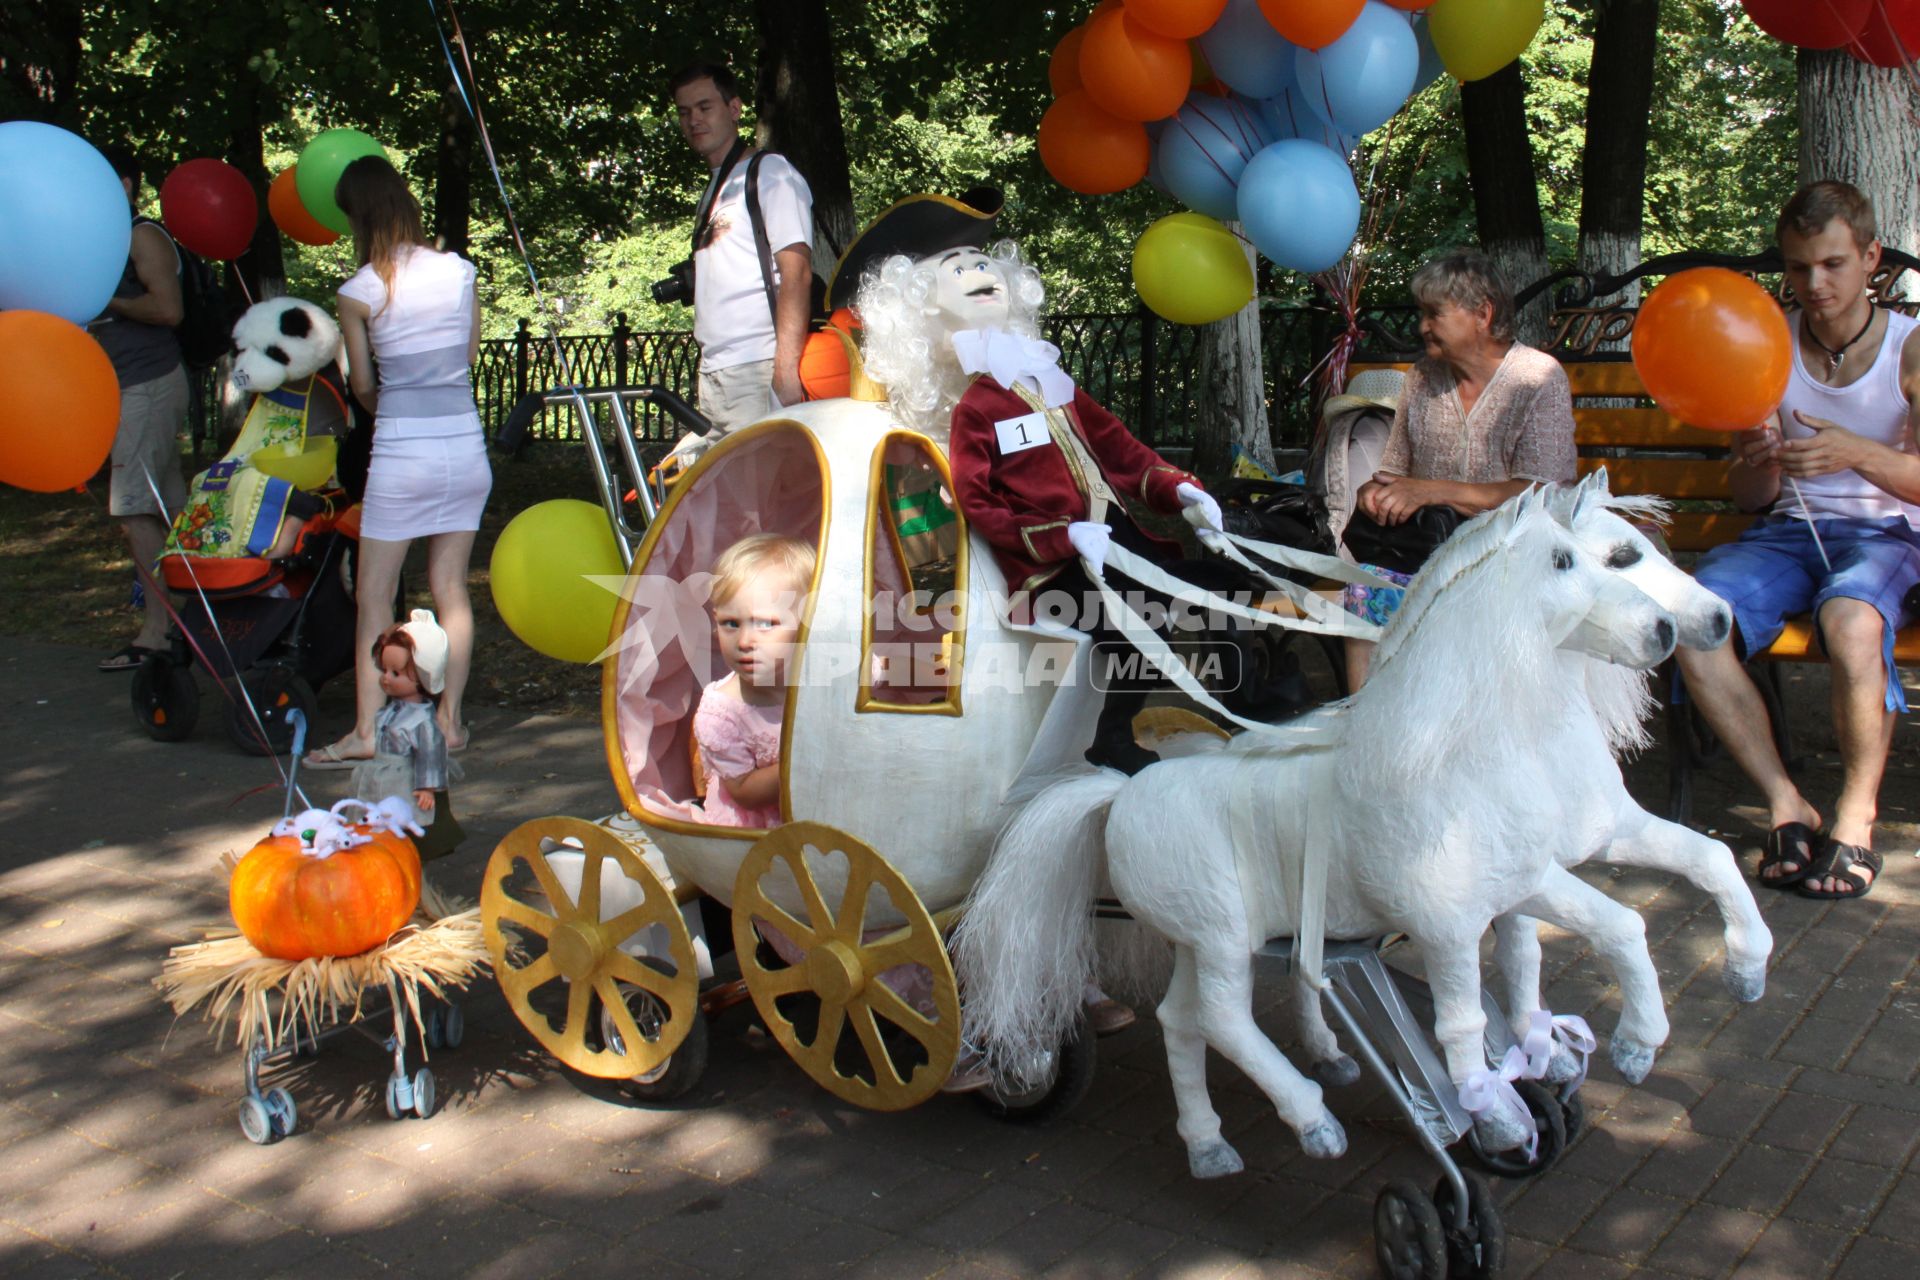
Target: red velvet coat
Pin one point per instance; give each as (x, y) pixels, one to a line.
(1022, 502)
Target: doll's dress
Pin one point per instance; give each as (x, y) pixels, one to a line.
(735, 738)
(409, 755)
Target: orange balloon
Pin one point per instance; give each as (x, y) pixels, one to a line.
(1131, 72)
(1089, 151)
(825, 371)
(291, 216)
(1181, 19)
(1063, 68)
(1713, 349)
(1311, 24)
(59, 402)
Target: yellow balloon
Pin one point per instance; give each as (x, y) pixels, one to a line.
(1475, 38)
(1191, 269)
(542, 576)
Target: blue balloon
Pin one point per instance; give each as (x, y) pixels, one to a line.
(1288, 116)
(1246, 53)
(65, 225)
(1299, 205)
(1202, 150)
(1431, 68)
(1359, 81)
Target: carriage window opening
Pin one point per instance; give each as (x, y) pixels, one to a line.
(916, 581)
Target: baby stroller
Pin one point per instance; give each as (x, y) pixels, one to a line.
(270, 631)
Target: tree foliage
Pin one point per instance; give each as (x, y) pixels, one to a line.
(933, 96)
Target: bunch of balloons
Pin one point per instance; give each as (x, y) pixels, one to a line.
(65, 227)
(1885, 33)
(1247, 110)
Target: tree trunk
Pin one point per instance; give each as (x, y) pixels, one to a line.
(1231, 392)
(453, 174)
(1614, 168)
(1506, 200)
(798, 107)
(262, 270)
(1857, 125)
(40, 61)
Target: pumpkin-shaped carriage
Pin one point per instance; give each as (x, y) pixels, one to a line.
(915, 712)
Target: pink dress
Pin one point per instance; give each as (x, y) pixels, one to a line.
(735, 739)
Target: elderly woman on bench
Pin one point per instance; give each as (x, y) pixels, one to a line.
(1481, 417)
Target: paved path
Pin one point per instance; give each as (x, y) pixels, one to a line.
(1772, 1140)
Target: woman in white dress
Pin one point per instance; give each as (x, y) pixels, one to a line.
(412, 311)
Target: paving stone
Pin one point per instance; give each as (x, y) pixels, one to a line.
(1554, 1205)
(1683, 1164)
(1731, 1110)
(1628, 1224)
(1759, 1179)
(1822, 1041)
(1791, 1249)
(1872, 1258)
(1802, 1124)
(1840, 1194)
(1705, 1240)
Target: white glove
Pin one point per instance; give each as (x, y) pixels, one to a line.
(1199, 508)
(1090, 540)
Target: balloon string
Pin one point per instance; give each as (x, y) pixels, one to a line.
(475, 112)
(1813, 526)
(240, 280)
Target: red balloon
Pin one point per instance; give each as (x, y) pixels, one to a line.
(1181, 19)
(59, 402)
(1891, 37)
(209, 206)
(1089, 151)
(1811, 24)
(1713, 349)
(291, 216)
(1131, 72)
(1312, 24)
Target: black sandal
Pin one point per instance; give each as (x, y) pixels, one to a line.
(1840, 861)
(1793, 842)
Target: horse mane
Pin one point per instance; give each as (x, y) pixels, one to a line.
(1621, 697)
(1478, 650)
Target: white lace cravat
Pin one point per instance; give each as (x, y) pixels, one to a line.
(1009, 358)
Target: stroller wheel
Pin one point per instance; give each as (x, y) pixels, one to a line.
(274, 692)
(166, 702)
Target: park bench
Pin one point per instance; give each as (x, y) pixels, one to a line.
(1647, 451)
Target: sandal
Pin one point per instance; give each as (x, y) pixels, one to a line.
(1842, 861)
(1790, 842)
(330, 759)
(128, 659)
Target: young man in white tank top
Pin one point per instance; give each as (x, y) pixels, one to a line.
(1846, 434)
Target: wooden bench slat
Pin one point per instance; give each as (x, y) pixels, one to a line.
(1642, 428)
(1705, 530)
(1604, 378)
(1665, 477)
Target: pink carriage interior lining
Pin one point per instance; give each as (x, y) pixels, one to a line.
(768, 484)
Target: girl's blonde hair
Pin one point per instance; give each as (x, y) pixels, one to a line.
(383, 214)
(753, 556)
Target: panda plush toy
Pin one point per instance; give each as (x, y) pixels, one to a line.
(273, 479)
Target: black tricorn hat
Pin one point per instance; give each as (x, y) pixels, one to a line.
(916, 226)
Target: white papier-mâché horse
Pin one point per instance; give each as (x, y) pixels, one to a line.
(1431, 803)
(1619, 702)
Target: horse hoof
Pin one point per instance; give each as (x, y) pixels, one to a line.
(1746, 986)
(1498, 1130)
(1562, 1066)
(1324, 1139)
(1631, 1059)
(1216, 1159)
(1336, 1072)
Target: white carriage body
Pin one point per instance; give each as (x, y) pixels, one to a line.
(920, 777)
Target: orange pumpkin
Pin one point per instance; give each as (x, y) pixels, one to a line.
(293, 904)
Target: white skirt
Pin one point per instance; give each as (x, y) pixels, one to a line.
(418, 486)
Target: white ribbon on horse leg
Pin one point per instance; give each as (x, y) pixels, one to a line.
(1325, 566)
(1485, 1089)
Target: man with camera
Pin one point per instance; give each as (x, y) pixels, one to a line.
(751, 274)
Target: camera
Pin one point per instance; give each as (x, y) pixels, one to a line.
(678, 286)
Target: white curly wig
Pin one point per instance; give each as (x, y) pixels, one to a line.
(904, 345)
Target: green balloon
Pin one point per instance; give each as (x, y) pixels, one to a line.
(542, 577)
(319, 169)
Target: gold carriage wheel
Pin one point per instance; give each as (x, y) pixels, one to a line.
(842, 969)
(1165, 722)
(582, 951)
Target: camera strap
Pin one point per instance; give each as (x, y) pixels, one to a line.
(703, 214)
(760, 244)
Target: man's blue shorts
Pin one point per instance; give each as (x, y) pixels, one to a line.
(1774, 571)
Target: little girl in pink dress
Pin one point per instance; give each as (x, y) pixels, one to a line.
(758, 586)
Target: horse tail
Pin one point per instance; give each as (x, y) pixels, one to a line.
(1025, 946)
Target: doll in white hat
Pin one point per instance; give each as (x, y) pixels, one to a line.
(410, 752)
